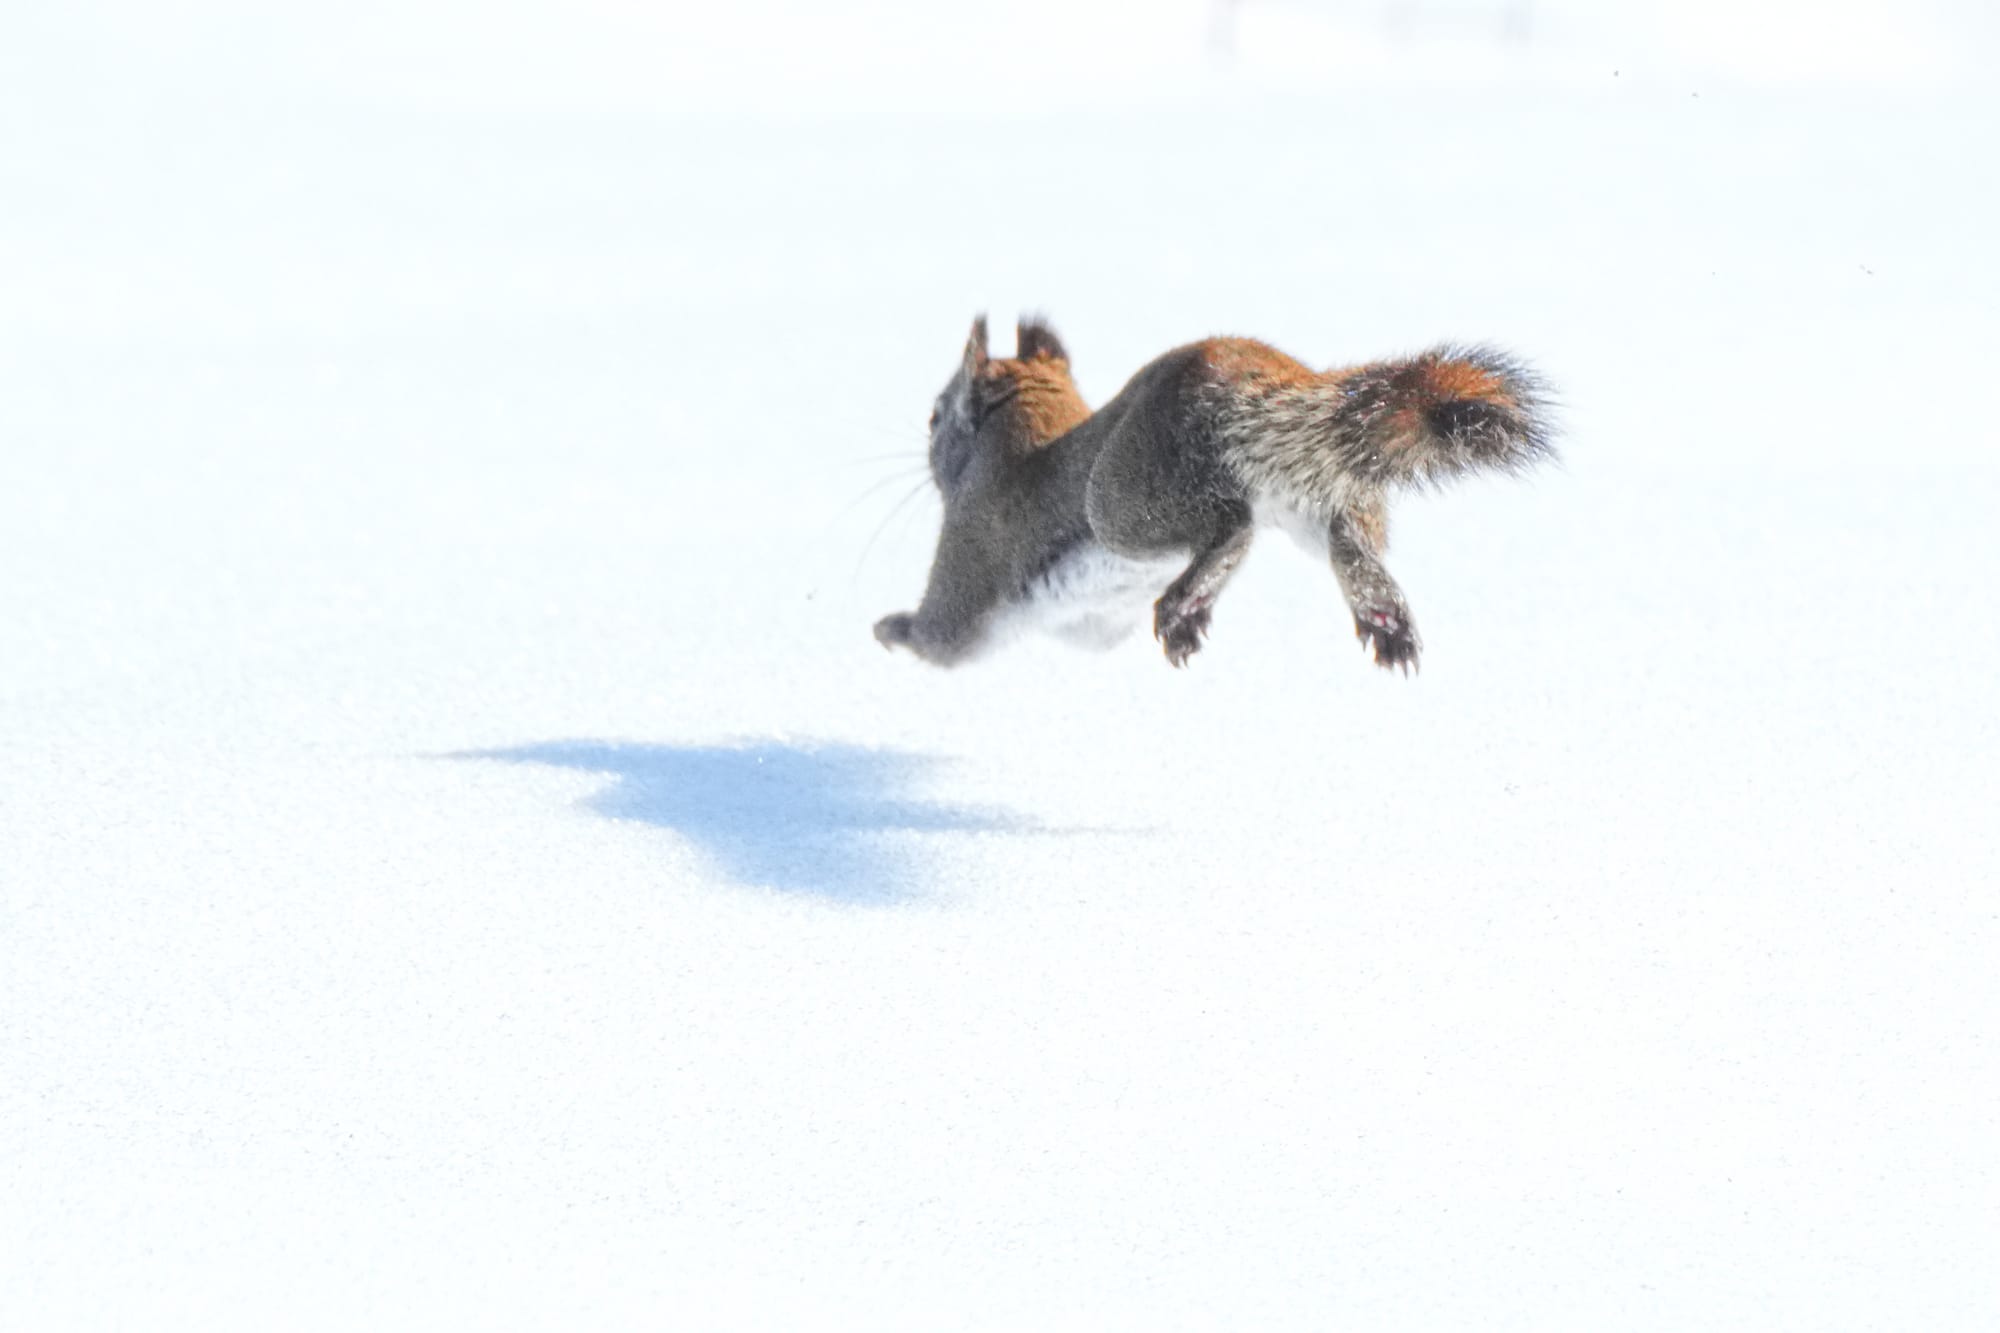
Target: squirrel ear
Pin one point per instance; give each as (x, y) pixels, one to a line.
(1035, 340)
(975, 347)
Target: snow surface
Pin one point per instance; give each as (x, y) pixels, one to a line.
(465, 863)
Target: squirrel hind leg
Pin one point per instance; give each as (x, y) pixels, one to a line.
(1382, 619)
(1181, 616)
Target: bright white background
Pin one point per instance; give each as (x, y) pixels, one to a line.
(465, 863)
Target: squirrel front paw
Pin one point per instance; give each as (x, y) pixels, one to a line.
(1389, 632)
(1180, 626)
(894, 631)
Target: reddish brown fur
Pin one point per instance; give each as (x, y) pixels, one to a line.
(1445, 381)
(1373, 522)
(1244, 360)
(1035, 399)
(1402, 429)
(1425, 384)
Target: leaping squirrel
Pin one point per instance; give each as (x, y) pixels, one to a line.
(1070, 520)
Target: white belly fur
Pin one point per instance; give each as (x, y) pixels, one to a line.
(1311, 534)
(1095, 599)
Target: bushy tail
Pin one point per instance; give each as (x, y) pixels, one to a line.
(1412, 422)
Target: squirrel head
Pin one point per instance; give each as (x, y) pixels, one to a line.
(1002, 408)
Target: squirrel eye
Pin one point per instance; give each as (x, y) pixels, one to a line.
(934, 418)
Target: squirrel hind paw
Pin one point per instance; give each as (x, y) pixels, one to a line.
(1391, 637)
(1180, 628)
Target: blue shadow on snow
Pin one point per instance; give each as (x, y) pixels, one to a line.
(801, 819)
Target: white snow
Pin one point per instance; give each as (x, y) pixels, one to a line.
(465, 862)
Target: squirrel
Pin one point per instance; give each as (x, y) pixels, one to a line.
(1071, 521)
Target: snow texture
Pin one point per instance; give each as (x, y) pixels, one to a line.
(465, 862)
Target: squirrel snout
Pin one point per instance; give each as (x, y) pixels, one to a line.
(893, 631)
